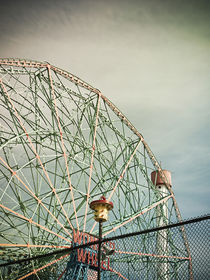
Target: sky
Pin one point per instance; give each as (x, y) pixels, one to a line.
(150, 58)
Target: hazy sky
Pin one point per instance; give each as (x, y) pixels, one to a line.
(150, 58)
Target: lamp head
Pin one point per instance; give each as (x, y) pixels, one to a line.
(101, 208)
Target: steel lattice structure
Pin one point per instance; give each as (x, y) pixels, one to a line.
(63, 144)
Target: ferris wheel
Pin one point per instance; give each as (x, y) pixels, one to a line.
(63, 145)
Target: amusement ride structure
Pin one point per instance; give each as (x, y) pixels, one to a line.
(63, 145)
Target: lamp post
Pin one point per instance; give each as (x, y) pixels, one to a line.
(101, 208)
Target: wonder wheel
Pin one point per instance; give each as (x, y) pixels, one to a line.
(63, 145)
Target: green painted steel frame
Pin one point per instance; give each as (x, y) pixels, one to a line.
(72, 140)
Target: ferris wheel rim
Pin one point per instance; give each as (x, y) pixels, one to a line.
(20, 62)
(74, 79)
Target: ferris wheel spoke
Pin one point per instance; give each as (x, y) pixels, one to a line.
(38, 200)
(120, 178)
(4, 193)
(8, 237)
(122, 174)
(35, 152)
(139, 214)
(63, 148)
(33, 246)
(43, 267)
(32, 222)
(92, 158)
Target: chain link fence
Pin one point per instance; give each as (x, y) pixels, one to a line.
(155, 254)
(164, 255)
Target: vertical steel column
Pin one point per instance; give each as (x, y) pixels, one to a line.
(162, 220)
(162, 236)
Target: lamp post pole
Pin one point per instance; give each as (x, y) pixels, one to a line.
(99, 250)
(101, 208)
